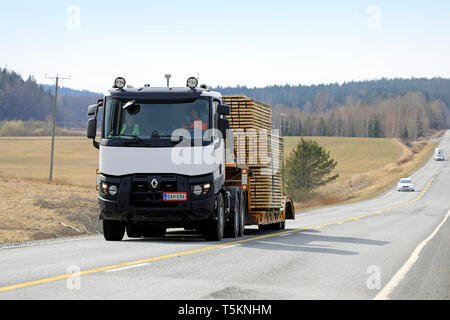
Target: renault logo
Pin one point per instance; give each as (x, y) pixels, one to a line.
(154, 183)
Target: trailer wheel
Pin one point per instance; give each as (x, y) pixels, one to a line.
(279, 226)
(213, 230)
(242, 214)
(113, 230)
(232, 226)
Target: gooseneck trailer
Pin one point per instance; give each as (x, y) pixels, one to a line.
(169, 158)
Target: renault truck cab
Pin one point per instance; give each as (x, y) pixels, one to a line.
(162, 162)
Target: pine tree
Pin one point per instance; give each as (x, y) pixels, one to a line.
(308, 167)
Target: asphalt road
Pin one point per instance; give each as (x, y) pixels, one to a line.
(395, 246)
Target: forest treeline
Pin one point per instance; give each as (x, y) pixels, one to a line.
(408, 117)
(379, 108)
(318, 98)
(27, 100)
(405, 108)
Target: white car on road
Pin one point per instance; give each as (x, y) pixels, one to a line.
(439, 154)
(405, 184)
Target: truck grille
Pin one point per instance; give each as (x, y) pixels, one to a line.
(143, 194)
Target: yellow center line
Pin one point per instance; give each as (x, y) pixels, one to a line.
(126, 264)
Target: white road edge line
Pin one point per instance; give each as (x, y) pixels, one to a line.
(394, 282)
(385, 195)
(231, 246)
(47, 242)
(129, 267)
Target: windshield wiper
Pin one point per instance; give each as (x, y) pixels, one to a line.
(145, 143)
(135, 137)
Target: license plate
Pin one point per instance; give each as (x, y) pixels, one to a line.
(174, 196)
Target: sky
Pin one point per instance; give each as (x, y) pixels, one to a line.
(226, 43)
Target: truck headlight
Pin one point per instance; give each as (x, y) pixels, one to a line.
(109, 189)
(206, 188)
(197, 190)
(201, 189)
(113, 190)
(104, 187)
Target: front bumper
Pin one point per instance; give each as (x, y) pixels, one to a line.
(126, 207)
(405, 189)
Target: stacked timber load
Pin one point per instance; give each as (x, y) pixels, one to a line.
(258, 147)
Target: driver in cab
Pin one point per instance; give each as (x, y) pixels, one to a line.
(194, 122)
(130, 127)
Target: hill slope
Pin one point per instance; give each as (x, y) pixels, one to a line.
(25, 100)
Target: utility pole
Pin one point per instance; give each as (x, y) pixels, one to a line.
(282, 124)
(57, 78)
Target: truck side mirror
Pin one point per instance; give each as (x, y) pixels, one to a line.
(223, 126)
(93, 110)
(223, 109)
(92, 128)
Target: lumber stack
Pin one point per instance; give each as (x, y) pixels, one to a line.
(258, 147)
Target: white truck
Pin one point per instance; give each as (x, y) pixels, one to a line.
(163, 163)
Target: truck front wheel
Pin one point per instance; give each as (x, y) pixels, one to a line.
(113, 230)
(232, 226)
(213, 230)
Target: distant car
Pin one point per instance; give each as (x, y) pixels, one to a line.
(405, 185)
(439, 154)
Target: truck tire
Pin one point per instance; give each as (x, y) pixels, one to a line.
(134, 230)
(279, 226)
(232, 226)
(264, 227)
(113, 230)
(213, 230)
(242, 213)
(150, 232)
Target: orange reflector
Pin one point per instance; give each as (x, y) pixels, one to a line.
(98, 188)
(244, 171)
(98, 171)
(244, 187)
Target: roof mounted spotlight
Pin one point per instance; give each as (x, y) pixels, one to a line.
(192, 83)
(119, 83)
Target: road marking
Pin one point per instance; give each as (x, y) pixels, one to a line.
(46, 242)
(129, 267)
(286, 234)
(168, 256)
(395, 281)
(231, 246)
(387, 194)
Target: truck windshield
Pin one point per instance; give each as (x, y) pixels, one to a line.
(141, 120)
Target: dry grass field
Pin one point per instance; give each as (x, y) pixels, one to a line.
(366, 167)
(29, 158)
(355, 155)
(33, 209)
